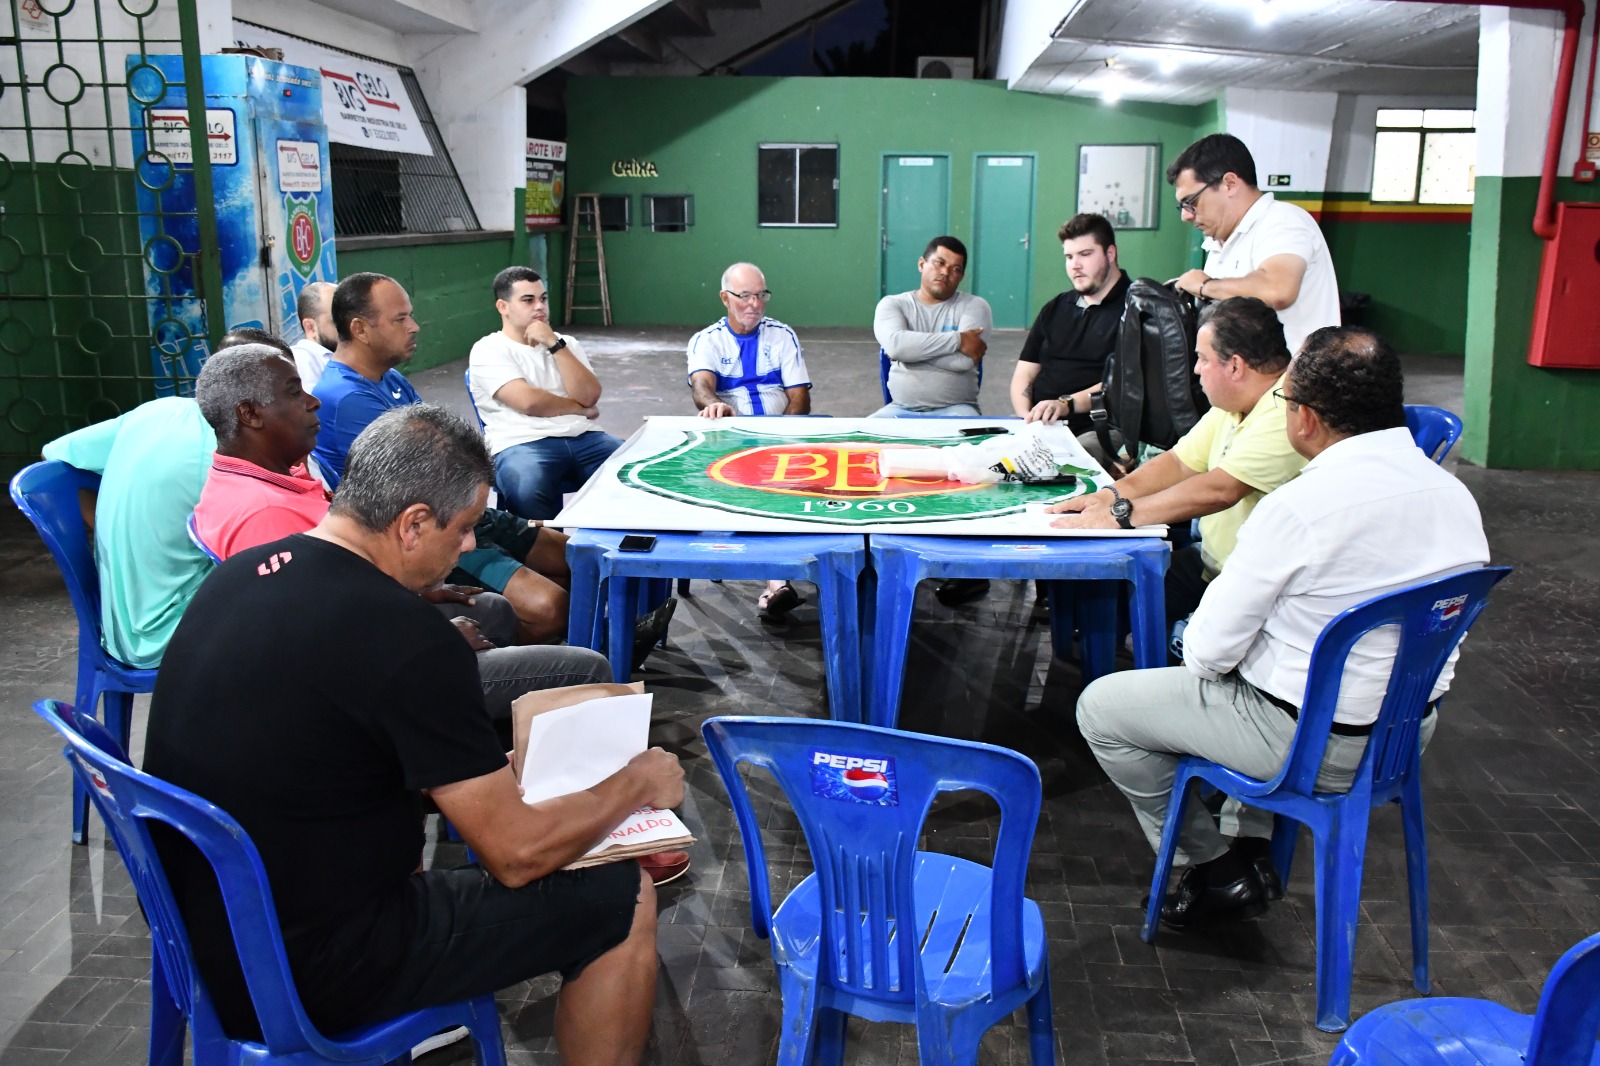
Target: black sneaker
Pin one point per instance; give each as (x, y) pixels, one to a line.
(649, 630)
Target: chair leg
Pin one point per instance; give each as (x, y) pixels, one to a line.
(584, 597)
(1341, 855)
(622, 594)
(798, 1036)
(898, 576)
(1285, 836)
(1169, 847)
(488, 1047)
(1041, 1023)
(1416, 877)
(683, 587)
(947, 1038)
(167, 1023)
(1097, 627)
(841, 648)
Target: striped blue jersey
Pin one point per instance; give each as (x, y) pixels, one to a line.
(753, 369)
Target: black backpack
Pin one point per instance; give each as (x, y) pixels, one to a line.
(1151, 392)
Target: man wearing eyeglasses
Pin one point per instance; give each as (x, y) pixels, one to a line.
(538, 397)
(1219, 470)
(1255, 244)
(749, 364)
(1370, 514)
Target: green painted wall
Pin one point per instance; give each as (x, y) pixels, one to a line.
(1415, 272)
(702, 134)
(1520, 416)
(449, 289)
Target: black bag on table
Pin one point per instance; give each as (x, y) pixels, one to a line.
(1151, 392)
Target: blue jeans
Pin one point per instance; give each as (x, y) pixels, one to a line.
(531, 477)
(894, 410)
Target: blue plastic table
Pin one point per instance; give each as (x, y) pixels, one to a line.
(833, 562)
(900, 562)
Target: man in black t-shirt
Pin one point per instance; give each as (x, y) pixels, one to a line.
(1063, 360)
(326, 766)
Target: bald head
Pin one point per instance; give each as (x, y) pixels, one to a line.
(744, 294)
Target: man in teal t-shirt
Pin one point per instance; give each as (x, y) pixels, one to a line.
(152, 464)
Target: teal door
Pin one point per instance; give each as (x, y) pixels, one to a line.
(1002, 234)
(916, 209)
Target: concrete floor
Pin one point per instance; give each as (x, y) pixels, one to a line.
(1511, 787)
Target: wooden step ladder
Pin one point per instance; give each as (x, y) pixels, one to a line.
(585, 228)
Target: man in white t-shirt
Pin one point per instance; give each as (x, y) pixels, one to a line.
(314, 306)
(1255, 245)
(537, 395)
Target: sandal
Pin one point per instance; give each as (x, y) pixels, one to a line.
(776, 603)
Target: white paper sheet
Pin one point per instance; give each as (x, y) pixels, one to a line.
(577, 747)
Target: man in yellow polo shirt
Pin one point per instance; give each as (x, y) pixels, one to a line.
(1236, 454)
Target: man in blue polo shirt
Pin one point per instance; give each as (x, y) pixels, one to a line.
(749, 364)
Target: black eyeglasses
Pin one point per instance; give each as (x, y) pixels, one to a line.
(1279, 393)
(761, 294)
(1186, 205)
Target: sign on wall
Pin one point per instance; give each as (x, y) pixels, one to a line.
(364, 102)
(547, 178)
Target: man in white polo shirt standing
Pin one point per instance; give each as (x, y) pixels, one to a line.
(538, 398)
(1255, 245)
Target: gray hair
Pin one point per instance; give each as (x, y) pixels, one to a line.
(232, 376)
(726, 274)
(421, 453)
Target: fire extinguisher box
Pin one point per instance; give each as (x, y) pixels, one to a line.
(274, 201)
(1566, 314)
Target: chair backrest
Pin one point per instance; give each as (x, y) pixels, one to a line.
(466, 379)
(194, 538)
(1434, 429)
(1569, 1009)
(861, 794)
(1432, 618)
(47, 493)
(129, 798)
(883, 374)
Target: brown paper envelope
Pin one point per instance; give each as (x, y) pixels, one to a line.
(529, 704)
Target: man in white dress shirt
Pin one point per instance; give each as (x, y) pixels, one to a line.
(1369, 514)
(1255, 244)
(538, 397)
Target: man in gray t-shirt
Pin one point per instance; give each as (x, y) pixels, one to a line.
(935, 337)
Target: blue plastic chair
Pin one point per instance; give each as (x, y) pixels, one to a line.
(833, 562)
(128, 799)
(1434, 429)
(466, 380)
(194, 538)
(47, 493)
(1473, 1032)
(974, 949)
(1432, 617)
(883, 380)
(1093, 566)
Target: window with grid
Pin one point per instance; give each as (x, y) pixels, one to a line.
(798, 184)
(1424, 156)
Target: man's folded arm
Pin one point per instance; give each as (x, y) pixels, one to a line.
(904, 345)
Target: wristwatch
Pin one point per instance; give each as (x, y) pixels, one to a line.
(1072, 407)
(561, 342)
(1121, 509)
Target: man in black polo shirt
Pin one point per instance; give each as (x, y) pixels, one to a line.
(312, 694)
(1063, 360)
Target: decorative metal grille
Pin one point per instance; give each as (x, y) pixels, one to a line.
(76, 339)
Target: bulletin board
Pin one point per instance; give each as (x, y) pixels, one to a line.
(1119, 182)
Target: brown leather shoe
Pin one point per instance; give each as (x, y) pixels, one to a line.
(665, 866)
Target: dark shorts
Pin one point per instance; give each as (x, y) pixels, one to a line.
(473, 936)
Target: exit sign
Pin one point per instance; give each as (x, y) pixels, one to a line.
(1277, 181)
